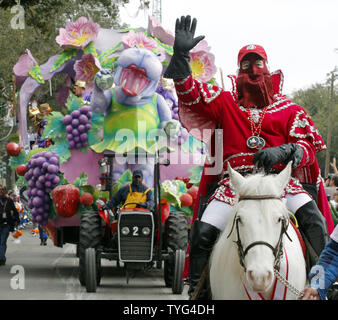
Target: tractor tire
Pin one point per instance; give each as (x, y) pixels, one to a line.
(176, 238)
(177, 283)
(90, 261)
(90, 237)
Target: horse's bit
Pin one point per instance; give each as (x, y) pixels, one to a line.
(277, 250)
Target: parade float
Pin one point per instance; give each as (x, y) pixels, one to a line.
(69, 171)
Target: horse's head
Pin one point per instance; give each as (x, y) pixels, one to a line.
(260, 220)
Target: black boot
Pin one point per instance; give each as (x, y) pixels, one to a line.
(312, 224)
(203, 238)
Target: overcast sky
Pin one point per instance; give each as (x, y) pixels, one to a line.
(299, 36)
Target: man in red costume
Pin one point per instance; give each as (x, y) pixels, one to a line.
(260, 129)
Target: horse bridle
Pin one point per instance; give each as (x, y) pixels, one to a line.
(277, 250)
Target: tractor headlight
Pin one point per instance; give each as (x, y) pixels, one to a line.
(125, 231)
(146, 231)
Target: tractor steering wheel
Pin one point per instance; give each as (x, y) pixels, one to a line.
(138, 205)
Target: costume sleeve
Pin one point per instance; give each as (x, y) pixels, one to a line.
(326, 270)
(304, 133)
(200, 104)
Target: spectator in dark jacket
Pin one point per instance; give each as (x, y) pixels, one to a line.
(9, 218)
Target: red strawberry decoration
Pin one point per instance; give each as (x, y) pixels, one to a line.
(13, 149)
(21, 170)
(186, 200)
(66, 199)
(193, 192)
(87, 199)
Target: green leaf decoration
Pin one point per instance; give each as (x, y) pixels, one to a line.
(109, 63)
(65, 56)
(196, 174)
(35, 73)
(81, 180)
(187, 210)
(21, 182)
(19, 159)
(33, 152)
(105, 54)
(90, 49)
(96, 126)
(63, 180)
(101, 194)
(87, 188)
(171, 190)
(126, 177)
(73, 102)
(61, 147)
(54, 128)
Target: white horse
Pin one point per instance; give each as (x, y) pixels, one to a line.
(243, 261)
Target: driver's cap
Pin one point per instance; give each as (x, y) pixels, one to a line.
(137, 173)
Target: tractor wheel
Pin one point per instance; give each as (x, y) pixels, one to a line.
(176, 238)
(90, 262)
(90, 237)
(177, 283)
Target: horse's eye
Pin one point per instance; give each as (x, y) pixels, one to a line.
(238, 219)
(280, 219)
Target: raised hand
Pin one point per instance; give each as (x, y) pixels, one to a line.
(185, 40)
(185, 35)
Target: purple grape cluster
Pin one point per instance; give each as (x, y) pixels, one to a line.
(42, 178)
(78, 123)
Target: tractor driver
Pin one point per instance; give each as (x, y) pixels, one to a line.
(135, 194)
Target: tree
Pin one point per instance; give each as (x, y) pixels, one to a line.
(316, 100)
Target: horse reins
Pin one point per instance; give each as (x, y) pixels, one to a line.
(277, 250)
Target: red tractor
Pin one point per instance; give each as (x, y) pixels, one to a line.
(136, 237)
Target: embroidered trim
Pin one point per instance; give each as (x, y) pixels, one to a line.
(273, 106)
(305, 149)
(281, 83)
(297, 123)
(237, 155)
(191, 103)
(214, 94)
(182, 81)
(188, 91)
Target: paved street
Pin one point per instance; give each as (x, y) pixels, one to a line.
(50, 273)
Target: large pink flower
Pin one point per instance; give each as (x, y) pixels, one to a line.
(202, 62)
(156, 30)
(78, 34)
(24, 64)
(86, 68)
(139, 39)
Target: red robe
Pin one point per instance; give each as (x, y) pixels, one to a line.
(208, 107)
